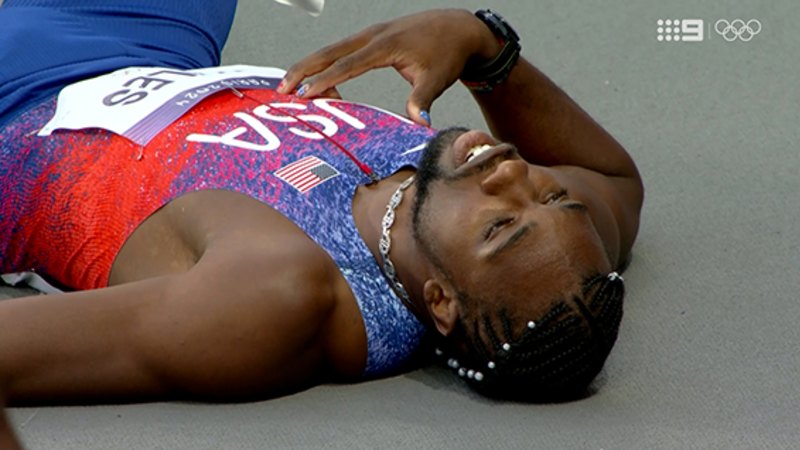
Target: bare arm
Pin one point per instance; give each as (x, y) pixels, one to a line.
(527, 109)
(221, 331)
(531, 111)
(550, 129)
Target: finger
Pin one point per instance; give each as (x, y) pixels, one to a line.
(426, 89)
(315, 63)
(345, 68)
(322, 59)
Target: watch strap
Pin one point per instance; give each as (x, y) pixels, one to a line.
(485, 77)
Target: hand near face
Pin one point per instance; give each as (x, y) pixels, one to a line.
(428, 49)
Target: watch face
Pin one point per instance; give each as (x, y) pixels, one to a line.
(498, 24)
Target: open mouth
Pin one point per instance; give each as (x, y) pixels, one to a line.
(470, 145)
(477, 151)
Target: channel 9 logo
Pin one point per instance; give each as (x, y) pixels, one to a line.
(693, 30)
(679, 30)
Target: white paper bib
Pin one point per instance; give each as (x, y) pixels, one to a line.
(139, 102)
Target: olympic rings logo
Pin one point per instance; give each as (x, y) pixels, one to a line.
(737, 29)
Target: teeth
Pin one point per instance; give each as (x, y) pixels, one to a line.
(477, 150)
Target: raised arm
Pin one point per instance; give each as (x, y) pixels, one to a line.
(550, 129)
(428, 49)
(432, 49)
(527, 109)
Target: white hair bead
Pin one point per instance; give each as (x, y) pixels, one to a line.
(470, 374)
(478, 376)
(491, 365)
(506, 346)
(452, 363)
(462, 372)
(614, 276)
(531, 324)
(438, 352)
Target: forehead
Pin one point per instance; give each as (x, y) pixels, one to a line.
(542, 262)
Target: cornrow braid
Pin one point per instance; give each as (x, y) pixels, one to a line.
(552, 358)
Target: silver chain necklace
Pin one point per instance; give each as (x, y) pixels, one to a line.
(385, 243)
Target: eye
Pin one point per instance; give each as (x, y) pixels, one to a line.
(495, 226)
(554, 197)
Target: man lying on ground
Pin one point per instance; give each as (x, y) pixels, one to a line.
(239, 241)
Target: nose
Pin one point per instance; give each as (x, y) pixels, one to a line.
(510, 178)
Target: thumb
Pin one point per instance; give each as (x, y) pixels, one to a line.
(419, 102)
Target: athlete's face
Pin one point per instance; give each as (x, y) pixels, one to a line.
(498, 227)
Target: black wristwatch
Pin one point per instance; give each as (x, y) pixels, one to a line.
(485, 77)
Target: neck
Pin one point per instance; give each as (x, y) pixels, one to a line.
(369, 208)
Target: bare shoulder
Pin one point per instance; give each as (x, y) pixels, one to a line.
(250, 308)
(265, 298)
(265, 256)
(291, 287)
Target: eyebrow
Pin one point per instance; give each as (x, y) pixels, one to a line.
(574, 206)
(525, 229)
(513, 239)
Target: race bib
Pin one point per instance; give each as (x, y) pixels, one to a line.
(139, 102)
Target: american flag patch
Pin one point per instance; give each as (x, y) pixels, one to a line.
(304, 174)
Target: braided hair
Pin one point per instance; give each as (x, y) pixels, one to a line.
(552, 358)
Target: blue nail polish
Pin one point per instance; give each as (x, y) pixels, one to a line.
(426, 117)
(302, 90)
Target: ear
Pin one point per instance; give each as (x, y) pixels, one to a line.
(442, 305)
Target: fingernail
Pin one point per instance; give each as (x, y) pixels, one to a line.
(426, 117)
(281, 85)
(302, 90)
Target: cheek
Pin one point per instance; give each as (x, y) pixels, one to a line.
(589, 252)
(447, 237)
(453, 227)
(448, 206)
(449, 224)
